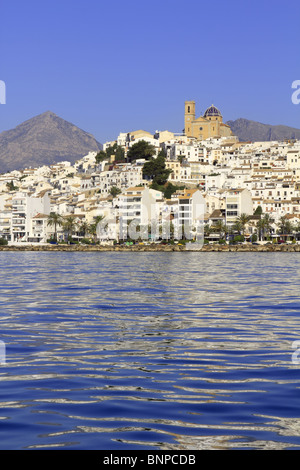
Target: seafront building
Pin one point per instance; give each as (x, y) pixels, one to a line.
(24, 208)
(208, 165)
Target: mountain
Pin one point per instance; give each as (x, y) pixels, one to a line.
(44, 140)
(257, 132)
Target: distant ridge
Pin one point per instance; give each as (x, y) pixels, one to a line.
(253, 131)
(44, 140)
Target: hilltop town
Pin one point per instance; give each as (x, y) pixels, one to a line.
(251, 190)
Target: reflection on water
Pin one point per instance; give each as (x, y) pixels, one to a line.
(149, 351)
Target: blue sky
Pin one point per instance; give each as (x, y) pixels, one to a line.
(117, 66)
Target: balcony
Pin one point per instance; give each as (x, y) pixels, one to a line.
(18, 221)
(130, 207)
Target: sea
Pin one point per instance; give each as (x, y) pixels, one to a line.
(161, 351)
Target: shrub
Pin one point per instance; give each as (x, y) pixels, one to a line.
(86, 241)
(3, 241)
(238, 238)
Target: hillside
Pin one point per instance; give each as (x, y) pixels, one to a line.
(253, 131)
(43, 140)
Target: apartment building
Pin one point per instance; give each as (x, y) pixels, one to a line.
(185, 210)
(5, 216)
(141, 205)
(24, 208)
(237, 202)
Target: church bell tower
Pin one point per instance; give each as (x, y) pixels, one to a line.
(189, 116)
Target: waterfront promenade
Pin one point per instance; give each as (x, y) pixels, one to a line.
(153, 248)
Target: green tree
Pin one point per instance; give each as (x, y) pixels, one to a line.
(84, 228)
(69, 225)
(221, 228)
(264, 226)
(243, 219)
(267, 222)
(285, 226)
(258, 211)
(11, 187)
(237, 227)
(155, 169)
(141, 149)
(114, 191)
(207, 230)
(261, 229)
(115, 150)
(93, 226)
(56, 220)
(101, 156)
(169, 190)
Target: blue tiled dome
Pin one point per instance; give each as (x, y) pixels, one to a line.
(212, 111)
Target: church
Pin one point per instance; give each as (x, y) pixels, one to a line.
(206, 126)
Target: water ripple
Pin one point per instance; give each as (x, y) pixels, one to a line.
(149, 351)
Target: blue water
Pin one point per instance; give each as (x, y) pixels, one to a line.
(159, 351)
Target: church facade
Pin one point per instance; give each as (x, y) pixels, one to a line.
(206, 126)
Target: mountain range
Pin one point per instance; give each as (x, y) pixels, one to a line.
(46, 139)
(43, 140)
(253, 131)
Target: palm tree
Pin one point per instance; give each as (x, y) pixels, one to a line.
(221, 228)
(243, 219)
(253, 225)
(69, 225)
(56, 220)
(84, 228)
(207, 230)
(93, 226)
(261, 228)
(237, 227)
(264, 226)
(267, 223)
(285, 226)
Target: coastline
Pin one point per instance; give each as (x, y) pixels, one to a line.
(291, 248)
